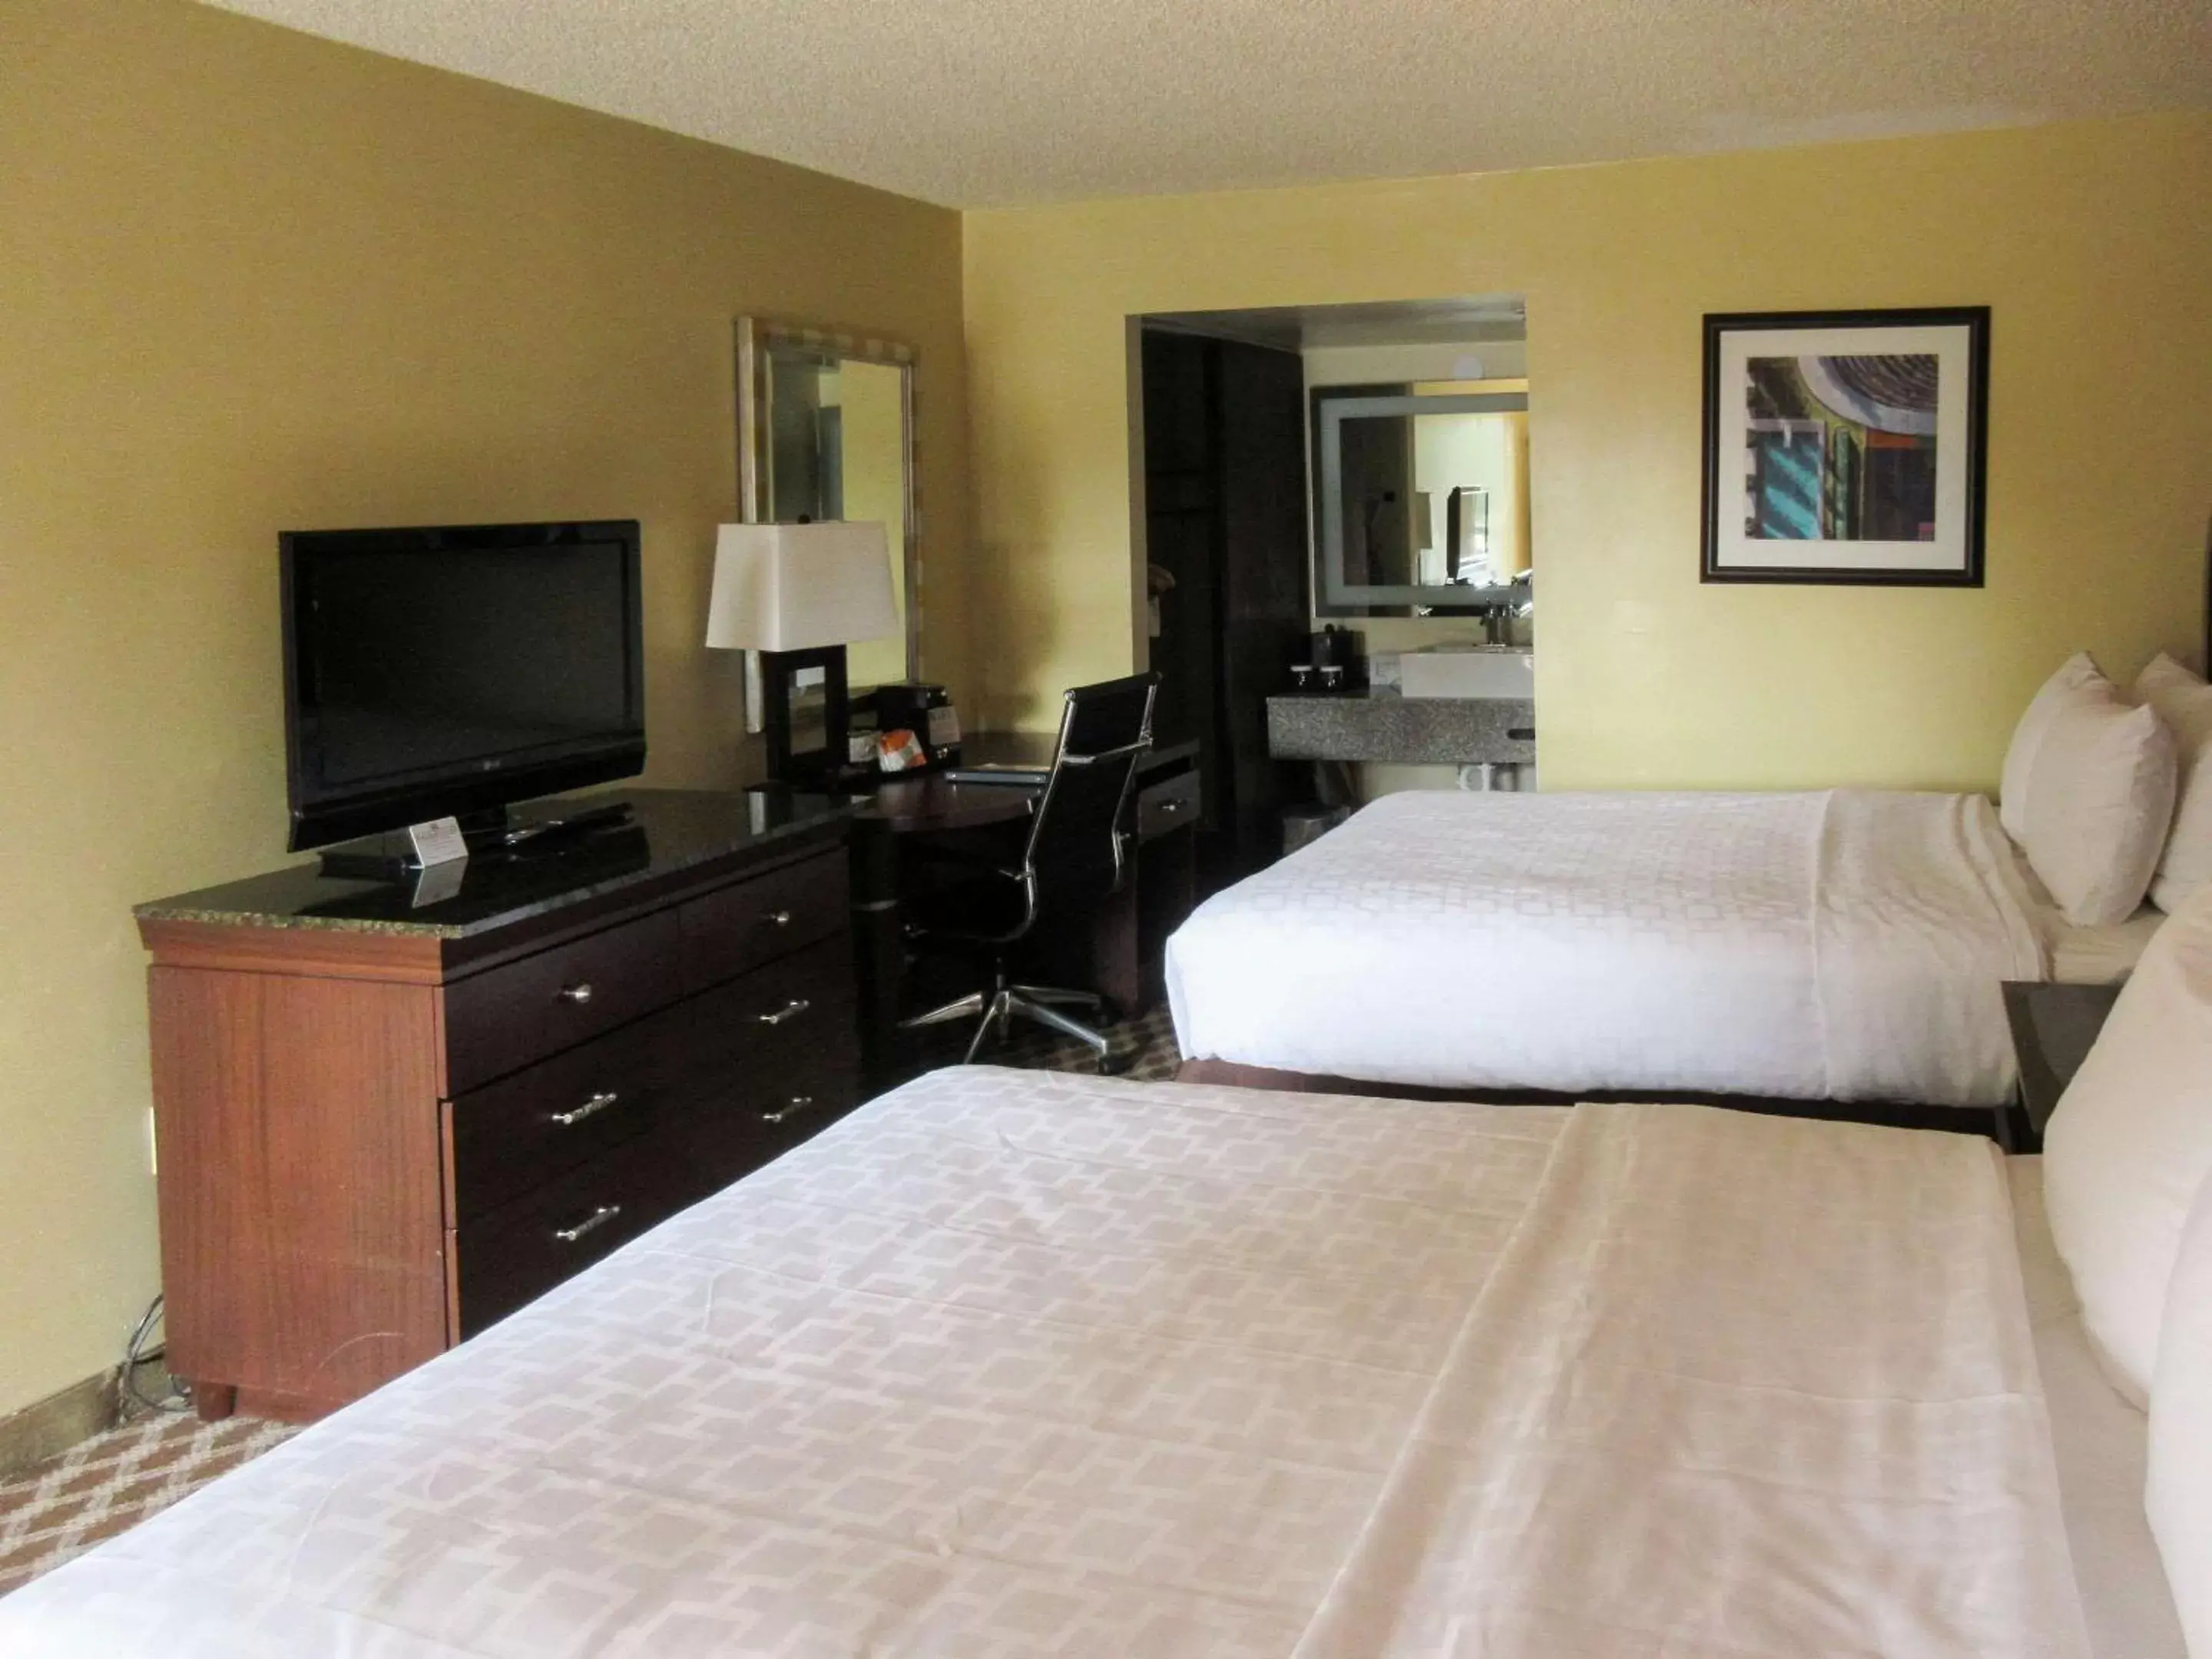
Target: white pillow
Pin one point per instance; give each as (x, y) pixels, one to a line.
(2099, 801)
(2178, 1496)
(2185, 702)
(2077, 670)
(2131, 1143)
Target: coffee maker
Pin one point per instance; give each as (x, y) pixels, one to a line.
(1333, 661)
(927, 712)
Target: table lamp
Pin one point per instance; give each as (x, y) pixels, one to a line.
(799, 594)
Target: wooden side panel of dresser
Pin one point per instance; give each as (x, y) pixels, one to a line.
(302, 1249)
(368, 1153)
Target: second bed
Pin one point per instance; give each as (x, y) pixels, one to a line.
(1843, 945)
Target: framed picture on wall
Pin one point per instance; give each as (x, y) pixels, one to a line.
(1846, 447)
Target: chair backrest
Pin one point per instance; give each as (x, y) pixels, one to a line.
(1075, 849)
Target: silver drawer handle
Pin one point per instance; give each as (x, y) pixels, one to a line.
(791, 1009)
(580, 993)
(590, 1224)
(791, 1107)
(778, 918)
(592, 1108)
(1170, 806)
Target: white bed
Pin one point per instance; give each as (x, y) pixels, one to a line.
(2100, 1441)
(2101, 954)
(2097, 954)
(1845, 945)
(1009, 1363)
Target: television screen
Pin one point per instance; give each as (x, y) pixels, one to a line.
(449, 671)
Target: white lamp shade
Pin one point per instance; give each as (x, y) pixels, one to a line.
(799, 586)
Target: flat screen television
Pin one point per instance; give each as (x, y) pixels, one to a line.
(449, 672)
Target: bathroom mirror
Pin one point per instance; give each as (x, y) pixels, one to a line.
(826, 430)
(1421, 500)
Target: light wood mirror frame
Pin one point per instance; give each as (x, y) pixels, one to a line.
(760, 340)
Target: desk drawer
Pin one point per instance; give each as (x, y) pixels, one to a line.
(507, 1017)
(1170, 804)
(508, 1136)
(750, 922)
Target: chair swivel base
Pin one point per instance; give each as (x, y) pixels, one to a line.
(998, 1007)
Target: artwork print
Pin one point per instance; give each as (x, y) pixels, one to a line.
(1845, 447)
(1841, 449)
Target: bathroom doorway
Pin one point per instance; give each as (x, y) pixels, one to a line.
(1360, 467)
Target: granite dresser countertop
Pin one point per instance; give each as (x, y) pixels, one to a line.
(1381, 725)
(670, 830)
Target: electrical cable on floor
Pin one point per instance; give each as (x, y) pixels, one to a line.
(137, 1353)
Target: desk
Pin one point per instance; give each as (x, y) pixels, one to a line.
(1120, 955)
(910, 805)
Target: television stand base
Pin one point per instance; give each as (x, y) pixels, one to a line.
(522, 837)
(491, 835)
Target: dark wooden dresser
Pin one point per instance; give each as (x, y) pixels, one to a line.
(385, 1118)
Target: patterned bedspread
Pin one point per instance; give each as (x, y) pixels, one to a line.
(1014, 1364)
(1846, 946)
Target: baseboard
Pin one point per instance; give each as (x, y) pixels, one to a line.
(53, 1425)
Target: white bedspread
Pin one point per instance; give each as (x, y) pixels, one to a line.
(1012, 1363)
(1845, 945)
(1699, 1412)
(2101, 1441)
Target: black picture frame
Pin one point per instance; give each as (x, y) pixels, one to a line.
(804, 768)
(1973, 321)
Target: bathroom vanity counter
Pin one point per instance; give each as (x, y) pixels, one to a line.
(1382, 725)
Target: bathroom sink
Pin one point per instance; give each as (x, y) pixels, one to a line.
(1468, 671)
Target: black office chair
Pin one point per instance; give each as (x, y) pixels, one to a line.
(1075, 856)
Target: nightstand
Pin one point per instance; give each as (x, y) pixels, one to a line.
(2052, 1029)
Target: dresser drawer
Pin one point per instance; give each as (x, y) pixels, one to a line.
(508, 1136)
(750, 922)
(760, 1018)
(516, 1253)
(511, 1256)
(507, 1017)
(790, 1098)
(1168, 805)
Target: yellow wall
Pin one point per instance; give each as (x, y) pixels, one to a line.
(2091, 242)
(250, 281)
(873, 398)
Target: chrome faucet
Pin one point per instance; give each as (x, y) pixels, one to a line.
(1497, 618)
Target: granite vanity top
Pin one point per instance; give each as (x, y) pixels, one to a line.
(1381, 725)
(670, 830)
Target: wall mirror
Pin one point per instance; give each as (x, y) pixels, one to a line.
(1421, 500)
(826, 429)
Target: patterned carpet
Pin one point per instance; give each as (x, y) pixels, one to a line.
(114, 1481)
(1147, 1043)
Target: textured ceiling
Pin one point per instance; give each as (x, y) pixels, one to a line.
(987, 102)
